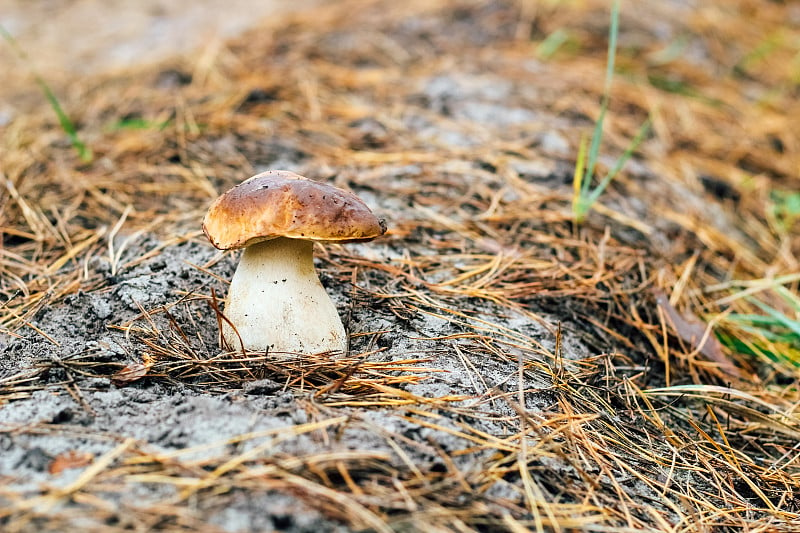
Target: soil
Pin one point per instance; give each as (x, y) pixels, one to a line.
(465, 326)
(164, 417)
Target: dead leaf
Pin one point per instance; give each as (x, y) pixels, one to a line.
(130, 373)
(694, 331)
(70, 459)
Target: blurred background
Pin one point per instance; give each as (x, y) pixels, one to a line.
(93, 36)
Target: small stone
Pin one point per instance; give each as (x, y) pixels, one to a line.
(554, 143)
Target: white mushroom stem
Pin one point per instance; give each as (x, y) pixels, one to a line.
(277, 303)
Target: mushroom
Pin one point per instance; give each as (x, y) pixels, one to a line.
(276, 302)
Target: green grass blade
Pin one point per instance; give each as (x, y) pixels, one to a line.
(138, 124)
(778, 317)
(789, 297)
(773, 333)
(579, 207)
(751, 319)
(584, 196)
(634, 144)
(597, 134)
(612, 47)
(552, 43)
(759, 330)
(594, 150)
(66, 123)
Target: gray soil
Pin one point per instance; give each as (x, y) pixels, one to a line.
(167, 415)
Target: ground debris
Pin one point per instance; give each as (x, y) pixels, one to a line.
(507, 370)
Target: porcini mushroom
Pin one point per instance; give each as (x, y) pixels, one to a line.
(276, 302)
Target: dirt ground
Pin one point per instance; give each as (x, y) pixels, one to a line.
(508, 370)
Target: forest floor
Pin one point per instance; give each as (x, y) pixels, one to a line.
(509, 369)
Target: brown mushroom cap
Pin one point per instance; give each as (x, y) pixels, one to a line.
(278, 203)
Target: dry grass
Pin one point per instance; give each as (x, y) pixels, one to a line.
(657, 428)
